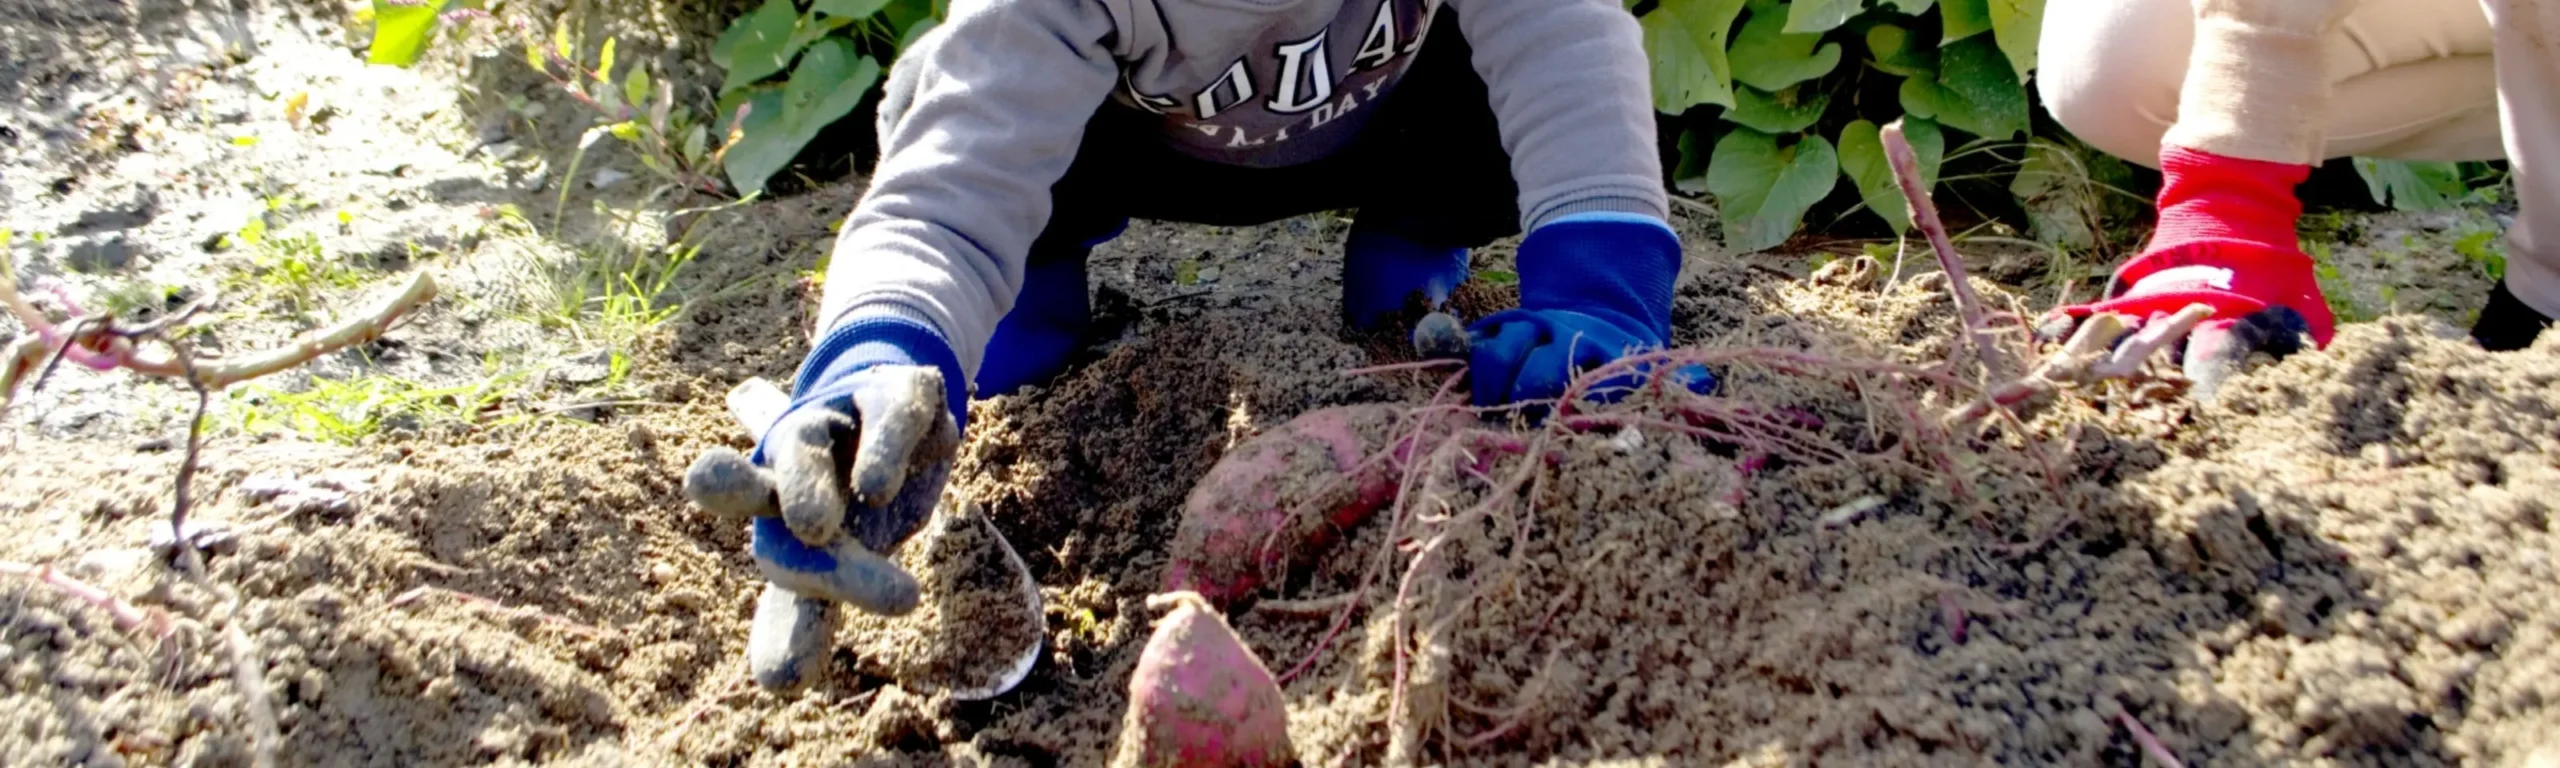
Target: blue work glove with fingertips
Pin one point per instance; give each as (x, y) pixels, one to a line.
(852, 468)
(1594, 287)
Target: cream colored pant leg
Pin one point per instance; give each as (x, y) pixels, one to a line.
(2413, 80)
(2528, 33)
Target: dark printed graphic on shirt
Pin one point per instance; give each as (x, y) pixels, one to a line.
(1288, 100)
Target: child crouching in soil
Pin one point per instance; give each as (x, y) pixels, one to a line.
(1020, 134)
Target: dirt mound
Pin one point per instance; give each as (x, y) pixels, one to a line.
(527, 599)
(2347, 560)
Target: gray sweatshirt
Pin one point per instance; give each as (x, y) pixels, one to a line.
(986, 111)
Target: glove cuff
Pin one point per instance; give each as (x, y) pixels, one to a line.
(881, 334)
(2210, 197)
(1617, 266)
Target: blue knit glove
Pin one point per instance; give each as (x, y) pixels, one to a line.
(1593, 287)
(1381, 269)
(859, 460)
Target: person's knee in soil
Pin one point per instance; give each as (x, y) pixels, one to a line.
(2235, 100)
(1050, 323)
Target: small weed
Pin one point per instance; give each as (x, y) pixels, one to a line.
(294, 270)
(2481, 249)
(617, 292)
(138, 299)
(2332, 227)
(613, 298)
(346, 411)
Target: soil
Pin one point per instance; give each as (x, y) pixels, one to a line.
(2345, 560)
(973, 622)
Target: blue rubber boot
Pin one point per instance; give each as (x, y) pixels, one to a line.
(1047, 326)
(1381, 268)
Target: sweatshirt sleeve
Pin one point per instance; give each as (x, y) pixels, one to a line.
(978, 120)
(1574, 99)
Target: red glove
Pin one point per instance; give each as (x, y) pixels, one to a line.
(2225, 240)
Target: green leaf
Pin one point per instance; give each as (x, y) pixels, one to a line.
(757, 45)
(1895, 52)
(696, 142)
(825, 86)
(635, 89)
(850, 9)
(1963, 19)
(1973, 91)
(560, 42)
(2015, 24)
(2054, 190)
(604, 62)
(1862, 160)
(907, 14)
(917, 32)
(1911, 7)
(2411, 186)
(1766, 57)
(401, 32)
(1685, 40)
(1786, 111)
(1762, 191)
(812, 26)
(1819, 16)
(1690, 175)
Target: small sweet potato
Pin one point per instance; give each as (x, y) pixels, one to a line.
(1199, 697)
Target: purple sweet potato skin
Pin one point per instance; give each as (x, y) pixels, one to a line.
(1238, 526)
(1199, 697)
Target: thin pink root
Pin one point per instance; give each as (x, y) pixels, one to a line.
(1743, 469)
(2150, 744)
(1953, 612)
(127, 615)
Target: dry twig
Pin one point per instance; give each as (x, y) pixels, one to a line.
(102, 343)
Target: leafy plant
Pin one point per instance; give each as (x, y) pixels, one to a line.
(1795, 84)
(634, 107)
(829, 55)
(2428, 186)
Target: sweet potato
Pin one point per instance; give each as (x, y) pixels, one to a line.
(1199, 697)
(1276, 500)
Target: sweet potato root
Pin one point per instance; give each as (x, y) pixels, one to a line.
(1277, 500)
(1199, 697)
